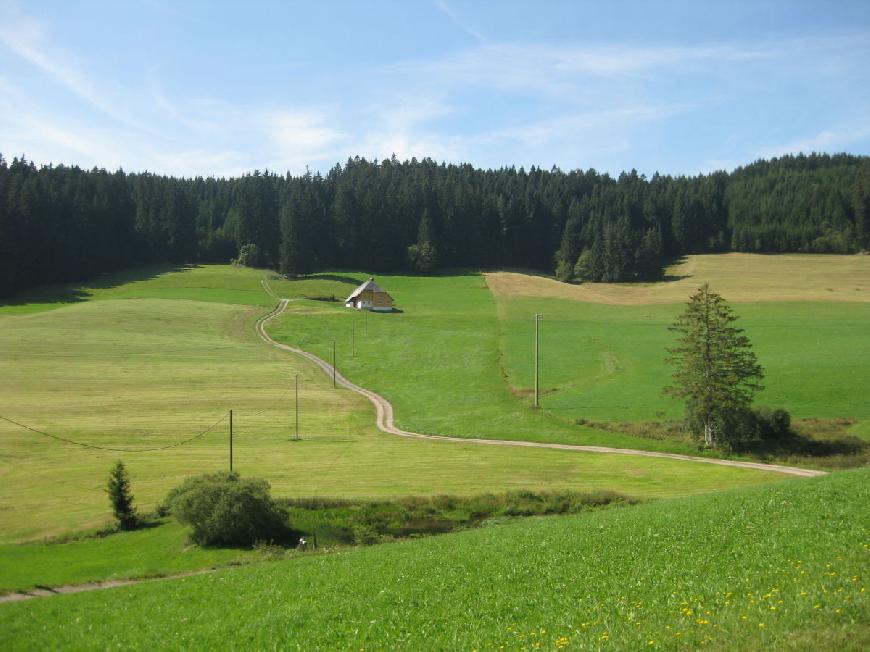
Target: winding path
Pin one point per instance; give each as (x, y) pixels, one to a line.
(384, 420)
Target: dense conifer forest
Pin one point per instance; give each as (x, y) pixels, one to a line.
(60, 223)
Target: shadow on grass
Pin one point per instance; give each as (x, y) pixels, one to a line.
(804, 446)
(817, 442)
(79, 291)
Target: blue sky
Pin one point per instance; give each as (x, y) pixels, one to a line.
(209, 88)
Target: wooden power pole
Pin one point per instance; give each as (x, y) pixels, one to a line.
(297, 407)
(537, 361)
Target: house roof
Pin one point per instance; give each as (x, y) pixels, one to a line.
(368, 285)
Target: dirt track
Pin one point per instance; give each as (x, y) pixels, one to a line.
(384, 419)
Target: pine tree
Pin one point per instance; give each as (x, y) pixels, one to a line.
(716, 372)
(121, 497)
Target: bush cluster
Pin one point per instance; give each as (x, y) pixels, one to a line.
(226, 510)
(366, 522)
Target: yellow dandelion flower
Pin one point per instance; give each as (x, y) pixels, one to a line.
(761, 625)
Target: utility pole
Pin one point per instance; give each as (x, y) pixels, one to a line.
(297, 407)
(537, 362)
(231, 441)
(333, 364)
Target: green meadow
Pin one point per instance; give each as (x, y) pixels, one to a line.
(459, 357)
(159, 549)
(777, 567)
(607, 363)
(438, 360)
(152, 358)
(155, 357)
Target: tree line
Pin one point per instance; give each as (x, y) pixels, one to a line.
(63, 223)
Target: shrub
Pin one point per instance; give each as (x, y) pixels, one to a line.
(224, 509)
(121, 498)
(365, 535)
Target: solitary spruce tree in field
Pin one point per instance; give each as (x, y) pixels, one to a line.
(716, 371)
(121, 497)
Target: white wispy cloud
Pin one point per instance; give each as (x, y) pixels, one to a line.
(444, 8)
(491, 103)
(557, 70)
(31, 40)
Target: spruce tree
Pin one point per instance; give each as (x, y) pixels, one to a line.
(716, 372)
(121, 497)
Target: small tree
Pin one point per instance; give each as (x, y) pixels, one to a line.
(121, 497)
(584, 268)
(716, 371)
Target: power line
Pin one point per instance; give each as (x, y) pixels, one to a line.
(115, 450)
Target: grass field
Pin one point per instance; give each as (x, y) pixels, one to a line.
(776, 567)
(158, 550)
(603, 346)
(161, 547)
(606, 362)
(437, 361)
(153, 357)
(458, 359)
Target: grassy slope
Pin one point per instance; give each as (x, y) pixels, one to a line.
(603, 344)
(778, 567)
(214, 283)
(605, 362)
(444, 360)
(438, 361)
(159, 550)
(131, 368)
